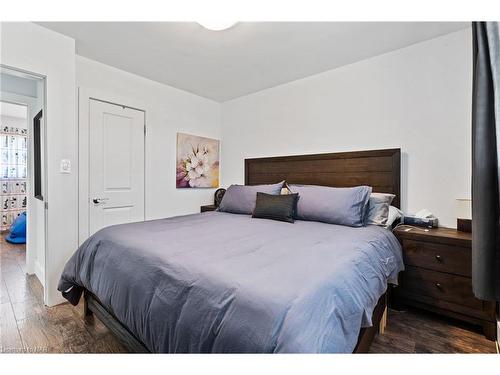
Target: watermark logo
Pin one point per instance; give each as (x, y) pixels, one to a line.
(33, 350)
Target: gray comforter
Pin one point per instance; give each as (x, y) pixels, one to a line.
(219, 282)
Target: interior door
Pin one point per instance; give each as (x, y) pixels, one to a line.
(116, 165)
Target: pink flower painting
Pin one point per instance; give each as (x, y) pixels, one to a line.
(197, 162)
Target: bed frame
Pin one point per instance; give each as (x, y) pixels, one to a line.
(377, 168)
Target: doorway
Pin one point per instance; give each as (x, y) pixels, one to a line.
(22, 116)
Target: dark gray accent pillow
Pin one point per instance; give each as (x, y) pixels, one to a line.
(240, 199)
(344, 206)
(276, 207)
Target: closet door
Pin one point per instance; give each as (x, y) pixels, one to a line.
(116, 164)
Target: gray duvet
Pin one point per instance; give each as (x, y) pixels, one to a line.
(219, 282)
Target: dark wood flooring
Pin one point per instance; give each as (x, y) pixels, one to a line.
(30, 327)
(27, 326)
(416, 331)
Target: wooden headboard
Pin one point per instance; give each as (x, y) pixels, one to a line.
(380, 169)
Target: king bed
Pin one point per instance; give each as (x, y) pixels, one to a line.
(228, 283)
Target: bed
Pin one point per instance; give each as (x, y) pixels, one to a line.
(227, 283)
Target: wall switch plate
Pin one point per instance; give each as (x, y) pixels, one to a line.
(65, 166)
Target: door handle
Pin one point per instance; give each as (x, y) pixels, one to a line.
(99, 200)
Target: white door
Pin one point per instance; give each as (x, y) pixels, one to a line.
(116, 165)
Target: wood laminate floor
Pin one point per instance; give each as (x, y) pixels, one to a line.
(27, 326)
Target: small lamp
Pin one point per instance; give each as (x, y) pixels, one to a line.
(464, 214)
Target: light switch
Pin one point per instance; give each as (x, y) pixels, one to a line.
(65, 166)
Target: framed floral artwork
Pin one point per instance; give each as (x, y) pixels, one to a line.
(197, 162)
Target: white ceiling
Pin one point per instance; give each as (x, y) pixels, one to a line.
(249, 57)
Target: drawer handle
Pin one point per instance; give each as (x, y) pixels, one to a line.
(438, 285)
(438, 258)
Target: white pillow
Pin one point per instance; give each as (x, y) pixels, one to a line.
(378, 208)
(394, 214)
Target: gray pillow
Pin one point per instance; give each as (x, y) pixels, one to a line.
(344, 206)
(378, 208)
(240, 199)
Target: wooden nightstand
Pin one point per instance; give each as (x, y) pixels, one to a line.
(207, 208)
(437, 276)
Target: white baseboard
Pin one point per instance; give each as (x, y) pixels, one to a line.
(40, 273)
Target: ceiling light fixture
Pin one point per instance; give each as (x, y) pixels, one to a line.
(217, 25)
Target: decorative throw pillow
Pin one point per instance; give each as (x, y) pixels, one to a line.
(344, 206)
(378, 208)
(240, 199)
(276, 207)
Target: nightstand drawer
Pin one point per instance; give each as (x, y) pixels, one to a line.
(442, 286)
(438, 257)
(438, 266)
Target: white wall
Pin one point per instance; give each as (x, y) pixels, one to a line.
(38, 50)
(168, 111)
(417, 98)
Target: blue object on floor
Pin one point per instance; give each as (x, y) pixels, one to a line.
(18, 230)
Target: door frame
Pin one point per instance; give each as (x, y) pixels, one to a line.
(84, 96)
(33, 267)
(29, 103)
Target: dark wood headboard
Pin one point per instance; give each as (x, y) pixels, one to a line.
(380, 169)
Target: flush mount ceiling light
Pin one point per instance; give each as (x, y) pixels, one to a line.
(217, 25)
